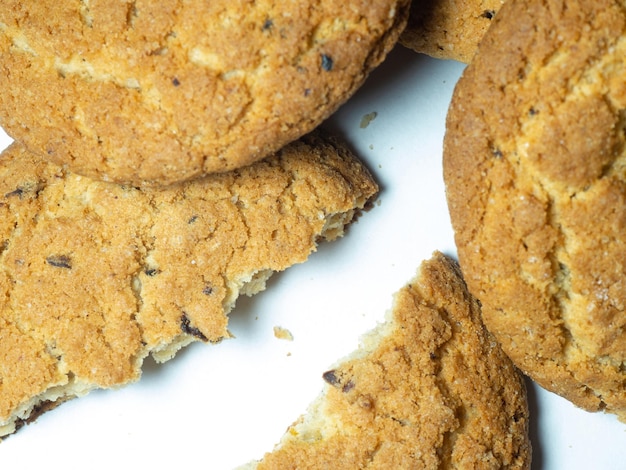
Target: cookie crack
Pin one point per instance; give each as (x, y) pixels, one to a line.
(86, 17)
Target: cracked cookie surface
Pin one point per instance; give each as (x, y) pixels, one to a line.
(154, 93)
(534, 164)
(429, 388)
(95, 276)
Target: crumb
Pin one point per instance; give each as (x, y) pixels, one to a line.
(366, 119)
(283, 333)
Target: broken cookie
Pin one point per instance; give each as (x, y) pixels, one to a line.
(95, 276)
(429, 388)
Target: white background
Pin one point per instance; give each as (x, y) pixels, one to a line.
(218, 406)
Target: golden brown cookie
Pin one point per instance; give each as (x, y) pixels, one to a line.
(95, 276)
(429, 388)
(448, 29)
(534, 169)
(145, 92)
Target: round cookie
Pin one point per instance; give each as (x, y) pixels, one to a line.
(154, 93)
(95, 276)
(534, 166)
(448, 29)
(429, 388)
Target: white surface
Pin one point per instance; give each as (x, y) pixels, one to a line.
(218, 406)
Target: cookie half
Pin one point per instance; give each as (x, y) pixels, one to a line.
(448, 29)
(429, 388)
(95, 276)
(534, 170)
(153, 93)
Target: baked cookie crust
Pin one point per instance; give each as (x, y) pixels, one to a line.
(534, 159)
(154, 93)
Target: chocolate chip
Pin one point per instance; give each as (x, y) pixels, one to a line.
(175, 81)
(489, 14)
(208, 290)
(16, 192)
(59, 261)
(327, 62)
(186, 327)
(268, 24)
(331, 378)
(347, 387)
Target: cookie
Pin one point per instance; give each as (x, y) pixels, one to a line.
(448, 29)
(428, 388)
(153, 93)
(95, 276)
(534, 173)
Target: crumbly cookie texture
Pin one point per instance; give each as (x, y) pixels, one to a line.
(95, 276)
(534, 160)
(153, 93)
(429, 388)
(448, 29)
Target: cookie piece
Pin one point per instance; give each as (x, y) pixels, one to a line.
(428, 388)
(144, 92)
(534, 169)
(95, 276)
(448, 29)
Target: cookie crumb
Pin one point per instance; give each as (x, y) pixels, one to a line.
(367, 119)
(283, 333)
